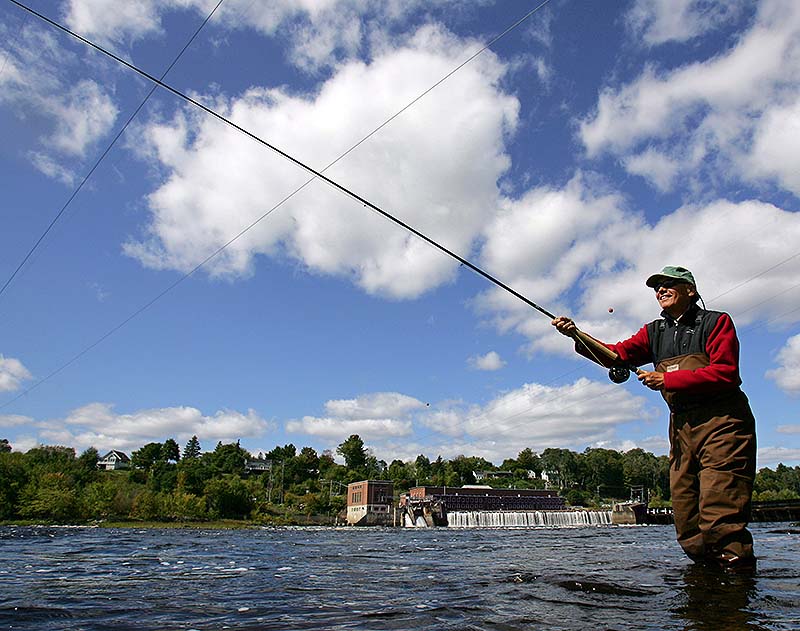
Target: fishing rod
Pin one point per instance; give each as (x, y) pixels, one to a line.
(602, 355)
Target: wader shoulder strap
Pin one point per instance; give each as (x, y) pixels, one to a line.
(675, 339)
(692, 361)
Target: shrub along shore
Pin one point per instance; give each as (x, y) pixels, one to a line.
(231, 488)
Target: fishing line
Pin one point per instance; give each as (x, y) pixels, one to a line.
(158, 82)
(317, 174)
(618, 374)
(105, 153)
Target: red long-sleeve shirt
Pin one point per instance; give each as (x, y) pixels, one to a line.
(722, 348)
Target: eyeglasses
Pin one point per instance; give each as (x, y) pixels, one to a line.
(668, 284)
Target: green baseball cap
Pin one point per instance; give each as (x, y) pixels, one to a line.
(671, 272)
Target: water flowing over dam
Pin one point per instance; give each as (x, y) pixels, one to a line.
(527, 519)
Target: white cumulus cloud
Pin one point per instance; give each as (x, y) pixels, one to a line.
(15, 420)
(660, 21)
(773, 456)
(572, 415)
(714, 118)
(374, 416)
(787, 374)
(537, 416)
(109, 22)
(490, 361)
(423, 167)
(98, 425)
(379, 404)
(338, 429)
(12, 374)
(545, 416)
(774, 150)
(316, 33)
(579, 251)
(36, 86)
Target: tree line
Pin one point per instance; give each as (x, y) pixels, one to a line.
(165, 483)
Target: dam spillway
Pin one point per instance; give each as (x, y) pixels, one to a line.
(527, 519)
(486, 507)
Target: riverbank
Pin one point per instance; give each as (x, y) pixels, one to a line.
(217, 524)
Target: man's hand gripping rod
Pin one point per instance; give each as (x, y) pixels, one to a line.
(618, 372)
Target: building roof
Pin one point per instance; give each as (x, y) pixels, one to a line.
(117, 455)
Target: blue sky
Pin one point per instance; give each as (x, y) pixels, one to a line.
(589, 147)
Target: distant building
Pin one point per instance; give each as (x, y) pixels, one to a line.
(369, 503)
(114, 460)
(258, 466)
(480, 476)
(485, 498)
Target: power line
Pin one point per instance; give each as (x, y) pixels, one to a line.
(18, 34)
(158, 82)
(105, 153)
(315, 173)
(752, 278)
(299, 163)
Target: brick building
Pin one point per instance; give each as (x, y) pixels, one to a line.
(369, 503)
(484, 498)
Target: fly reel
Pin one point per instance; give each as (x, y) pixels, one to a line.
(619, 374)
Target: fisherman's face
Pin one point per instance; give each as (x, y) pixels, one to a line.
(675, 298)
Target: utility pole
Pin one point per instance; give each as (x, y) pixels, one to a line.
(283, 465)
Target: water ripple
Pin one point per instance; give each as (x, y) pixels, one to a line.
(87, 579)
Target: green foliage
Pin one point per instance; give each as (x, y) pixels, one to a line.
(783, 479)
(192, 449)
(575, 497)
(191, 475)
(773, 496)
(88, 460)
(279, 454)
(529, 461)
(13, 478)
(180, 506)
(402, 474)
(98, 499)
(462, 469)
(561, 467)
(170, 450)
(229, 458)
(163, 477)
(424, 470)
(602, 469)
(154, 454)
(50, 483)
(228, 497)
(53, 497)
(146, 506)
(147, 456)
(354, 454)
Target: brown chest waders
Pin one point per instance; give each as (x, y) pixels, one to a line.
(712, 467)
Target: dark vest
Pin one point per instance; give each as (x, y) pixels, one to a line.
(670, 338)
(681, 345)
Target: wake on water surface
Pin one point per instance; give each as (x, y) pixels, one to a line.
(378, 578)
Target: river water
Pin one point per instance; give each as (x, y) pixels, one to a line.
(597, 578)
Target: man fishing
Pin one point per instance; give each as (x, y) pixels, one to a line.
(695, 353)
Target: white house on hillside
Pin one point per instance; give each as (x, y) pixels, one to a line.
(114, 460)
